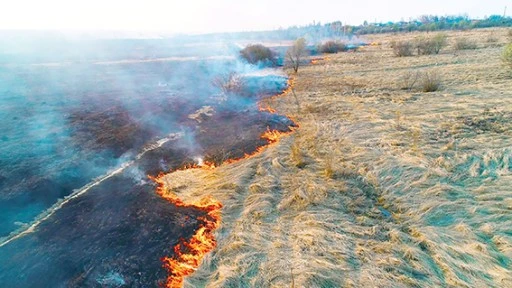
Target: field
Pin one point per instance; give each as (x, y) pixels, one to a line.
(382, 185)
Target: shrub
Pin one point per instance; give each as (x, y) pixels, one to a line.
(506, 56)
(408, 80)
(492, 38)
(258, 54)
(432, 45)
(402, 48)
(464, 44)
(230, 83)
(430, 81)
(296, 53)
(332, 47)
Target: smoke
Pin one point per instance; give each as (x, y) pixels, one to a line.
(74, 108)
(86, 120)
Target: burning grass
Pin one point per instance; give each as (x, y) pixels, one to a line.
(188, 254)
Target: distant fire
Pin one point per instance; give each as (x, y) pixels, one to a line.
(316, 60)
(267, 109)
(189, 254)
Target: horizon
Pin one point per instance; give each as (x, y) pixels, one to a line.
(202, 17)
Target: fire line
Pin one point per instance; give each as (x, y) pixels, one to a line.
(189, 254)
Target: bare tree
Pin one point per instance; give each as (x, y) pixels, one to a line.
(296, 53)
(229, 83)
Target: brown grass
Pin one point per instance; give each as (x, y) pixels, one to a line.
(430, 81)
(425, 205)
(467, 44)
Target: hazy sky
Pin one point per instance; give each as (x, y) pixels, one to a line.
(193, 16)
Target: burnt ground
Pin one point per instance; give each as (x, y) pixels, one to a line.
(116, 233)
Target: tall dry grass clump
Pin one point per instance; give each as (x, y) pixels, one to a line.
(431, 45)
(297, 156)
(506, 55)
(430, 81)
(332, 47)
(408, 80)
(492, 38)
(402, 48)
(465, 44)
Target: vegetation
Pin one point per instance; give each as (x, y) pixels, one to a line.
(230, 83)
(431, 45)
(465, 44)
(316, 31)
(506, 56)
(258, 54)
(332, 47)
(402, 48)
(296, 53)
(419, 183)
(430, 81)
(492, 38)
(408, 80)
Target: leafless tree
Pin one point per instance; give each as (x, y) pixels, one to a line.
(295, 53)
(229, 83)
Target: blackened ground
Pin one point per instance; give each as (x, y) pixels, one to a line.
(116, 234)
(231, 135)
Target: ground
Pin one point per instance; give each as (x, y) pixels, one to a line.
(380, 186)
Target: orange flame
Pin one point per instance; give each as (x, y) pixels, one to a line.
(266, 109)
(272, 136)
(188, 254)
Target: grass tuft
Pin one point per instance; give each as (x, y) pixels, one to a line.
(402, 48)
(465, 44)
(430, 81)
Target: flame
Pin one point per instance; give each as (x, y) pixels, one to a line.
(316, 60)
(266, 109)
(189, 254)
(272, 136)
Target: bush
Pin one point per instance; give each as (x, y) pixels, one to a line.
(430, 82)
(332, 47)
(465, 44)
(408, 80)
(402, 48)
(432, 45)
(258, 54)
(230, 83)
(296, 53)
(492, 38)
(506, 56)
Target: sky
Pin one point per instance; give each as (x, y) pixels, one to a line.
(203, 16)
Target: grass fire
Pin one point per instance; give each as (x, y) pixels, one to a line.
(347, 153)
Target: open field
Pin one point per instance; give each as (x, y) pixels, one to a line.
(381, 186)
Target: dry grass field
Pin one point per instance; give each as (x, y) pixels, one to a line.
(382, 185)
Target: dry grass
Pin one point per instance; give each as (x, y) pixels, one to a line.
(402, 48)
(430, 81)
(467, 44)
(424, 205)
